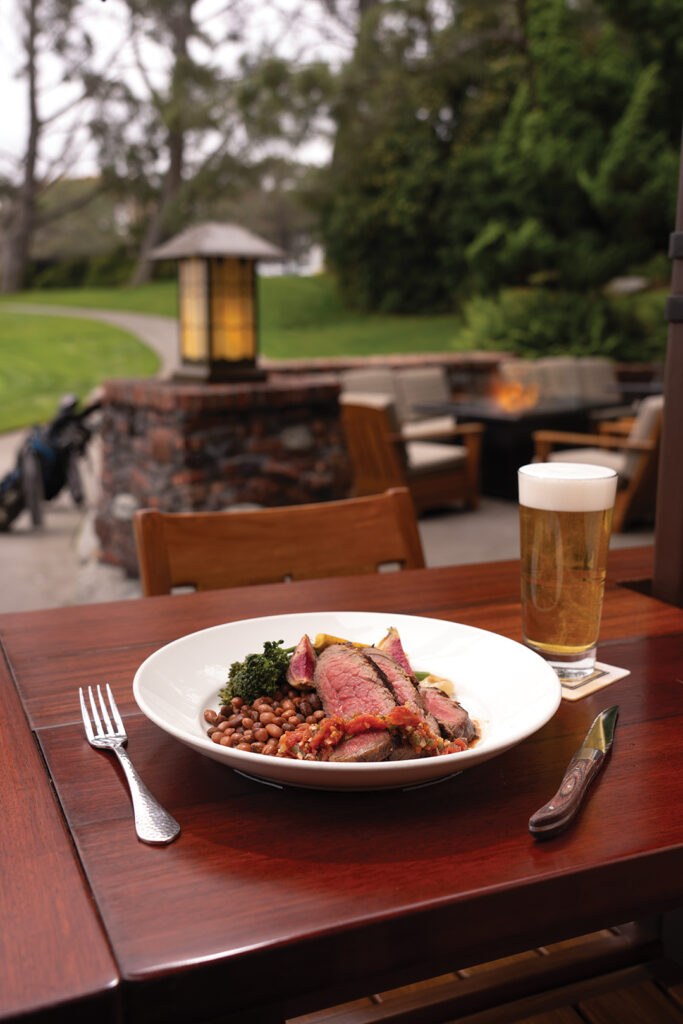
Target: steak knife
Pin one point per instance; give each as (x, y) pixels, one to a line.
(559, 812)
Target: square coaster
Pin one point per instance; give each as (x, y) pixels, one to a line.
(602, 675)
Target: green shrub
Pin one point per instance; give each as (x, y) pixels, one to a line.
(534, 322)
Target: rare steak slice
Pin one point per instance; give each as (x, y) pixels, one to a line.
(301, 668)
(391, 645)
(374, 745)
(401, 685)
(348, 683)
(453, 720)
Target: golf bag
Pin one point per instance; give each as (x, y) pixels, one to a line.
(48, 461)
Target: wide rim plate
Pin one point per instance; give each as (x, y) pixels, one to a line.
(508, 689)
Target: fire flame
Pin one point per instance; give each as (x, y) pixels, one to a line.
(514, 395)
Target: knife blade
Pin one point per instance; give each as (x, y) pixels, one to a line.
(560, 811)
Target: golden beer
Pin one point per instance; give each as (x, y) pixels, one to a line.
(563, 577)
(565, 522)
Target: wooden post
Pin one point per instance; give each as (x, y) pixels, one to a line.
(667, 583)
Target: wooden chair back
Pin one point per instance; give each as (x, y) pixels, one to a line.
(637, 492)
(378, 461)
(638, 498)
(210, 550)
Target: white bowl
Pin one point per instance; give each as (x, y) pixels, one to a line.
(507, 689)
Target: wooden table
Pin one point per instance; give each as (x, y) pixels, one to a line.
(283, 901)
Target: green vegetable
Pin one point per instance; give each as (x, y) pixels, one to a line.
(259, 675)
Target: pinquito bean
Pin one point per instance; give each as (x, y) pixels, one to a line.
(258, 726)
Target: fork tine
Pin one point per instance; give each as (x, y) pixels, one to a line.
(105, 713)
(115, 711)
(86, 717)
(96, 717)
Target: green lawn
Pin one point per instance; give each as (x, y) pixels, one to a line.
(45, 357)
(299, 317)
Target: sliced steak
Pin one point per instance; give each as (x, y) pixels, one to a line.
(375, 745)
(453, 720)
(401, 685)
(301, 668)
(391, 645)
(348, 683)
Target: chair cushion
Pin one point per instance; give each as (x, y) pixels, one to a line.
(372, 400)
(426, 456)
(423, 428)
(593, 456)
(378, 380)
(417, 385)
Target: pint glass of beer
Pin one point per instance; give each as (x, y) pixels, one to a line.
(565, 520)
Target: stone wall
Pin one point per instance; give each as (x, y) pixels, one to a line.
(468, 372)
(185, 447)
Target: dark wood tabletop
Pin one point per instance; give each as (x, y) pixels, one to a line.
(274, 902)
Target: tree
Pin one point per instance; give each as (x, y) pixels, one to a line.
(205, 124)
(490, 142)
(48, 28)
(413, 92)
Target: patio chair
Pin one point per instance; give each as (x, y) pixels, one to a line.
(560, 377)
(406, 387)
(634, 456)
(436, 474)
(374, 380)
(210, 550)
(420, 385)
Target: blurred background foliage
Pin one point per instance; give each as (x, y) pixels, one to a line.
(500, 161)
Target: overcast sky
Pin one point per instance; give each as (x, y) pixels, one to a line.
(268, 22)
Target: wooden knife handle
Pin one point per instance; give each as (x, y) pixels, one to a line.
(554, 816)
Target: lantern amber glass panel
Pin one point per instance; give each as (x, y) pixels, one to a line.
(232, 309)
(193, 308)
(194, 320)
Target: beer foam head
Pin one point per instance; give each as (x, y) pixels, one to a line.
(567, 487)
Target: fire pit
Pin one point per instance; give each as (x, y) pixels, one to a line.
(508, 441)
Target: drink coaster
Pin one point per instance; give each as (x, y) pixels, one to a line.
(602, 675)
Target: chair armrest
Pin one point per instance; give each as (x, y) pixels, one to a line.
(621, 427)
(545, 440)
(469, 428)
(444, 434)
(593, 440)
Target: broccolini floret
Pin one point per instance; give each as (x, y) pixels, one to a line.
(259, 675)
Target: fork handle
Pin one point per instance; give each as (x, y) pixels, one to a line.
(153, 824)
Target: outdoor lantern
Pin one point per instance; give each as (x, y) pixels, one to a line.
(217, 299)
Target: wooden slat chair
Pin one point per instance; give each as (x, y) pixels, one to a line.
(406, 388)
(436, 474)
(209, 550)
(634, 456)
(560, 377)
(418, 385)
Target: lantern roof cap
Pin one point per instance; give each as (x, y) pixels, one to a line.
(216, 239)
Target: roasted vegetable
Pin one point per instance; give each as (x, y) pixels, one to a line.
(259, 675)
(324, 640)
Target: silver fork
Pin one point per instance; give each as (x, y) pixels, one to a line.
(152, 823)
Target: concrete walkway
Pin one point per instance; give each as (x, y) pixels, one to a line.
(57, 564)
